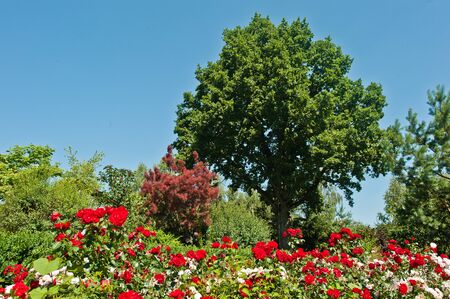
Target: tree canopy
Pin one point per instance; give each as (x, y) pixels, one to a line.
(422, 173)
(277, 113)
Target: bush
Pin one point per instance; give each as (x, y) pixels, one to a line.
(241, 217)
(179, 201)
(36, 191)
(96, 256)
(23, 247)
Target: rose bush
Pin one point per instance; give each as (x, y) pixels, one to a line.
(95, 256)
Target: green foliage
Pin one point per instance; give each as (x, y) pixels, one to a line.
(318, 224)
(23, 247)
(36, 190)
(120, 184)
(278, 114)
(394, 198)
(19, 158)
(168, 240)
(244, 218)
(420, 204)
(122, 187)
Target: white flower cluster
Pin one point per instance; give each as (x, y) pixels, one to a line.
(250, 272)
(47, 279)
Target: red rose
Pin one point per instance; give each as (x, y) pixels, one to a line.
(337, 273)
(127, 276)
(159, 278)
(20, 277)
(130, 295)
(99, 212)
(177, 294)
(177, 260)
(118, 216)
(226, 239)
(20, 290)
(333, 293)
(309, 279)
(403, 288)
(62, 225)
(55, 216)
(259, 253)
(366, 294)
(59, 237)
(200, 254)
(131, 252)
(155, 250)
(357, 251)
(87, 216)
(196, 255)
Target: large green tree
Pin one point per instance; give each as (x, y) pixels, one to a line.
(421, 204)
(277, 113)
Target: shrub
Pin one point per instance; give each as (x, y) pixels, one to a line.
(241, 217)
(98, 257)
(35, 191)
(121, 187)
(180, 200)
(23, 247)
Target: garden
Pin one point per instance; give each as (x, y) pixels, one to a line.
(248, 201)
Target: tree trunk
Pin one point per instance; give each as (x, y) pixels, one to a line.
(282, 221)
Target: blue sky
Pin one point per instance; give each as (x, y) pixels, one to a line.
(107, 75)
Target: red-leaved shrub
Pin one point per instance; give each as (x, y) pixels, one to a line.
(179, 200)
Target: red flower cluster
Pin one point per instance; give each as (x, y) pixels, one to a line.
(227, 243)
(333, 293)
(62, 225)
(117, 216)
(345, 233)
(55, 216)
(88, 215)
(293, 233)
(365, 294)
(196, 255)
(177, 294)
(263, 249)
(177, 260)
(130, 295)
(18, 272)
(20, 290)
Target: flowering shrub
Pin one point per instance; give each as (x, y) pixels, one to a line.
(96, 257)
(180, 200)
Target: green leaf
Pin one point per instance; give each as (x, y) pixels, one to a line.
(44, 266)
(38, 293)
(53, 290)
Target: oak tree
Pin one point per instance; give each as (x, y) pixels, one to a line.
(277, 113)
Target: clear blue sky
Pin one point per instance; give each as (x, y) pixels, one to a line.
(107, 75)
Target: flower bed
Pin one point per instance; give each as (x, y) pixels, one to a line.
(96, 257)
